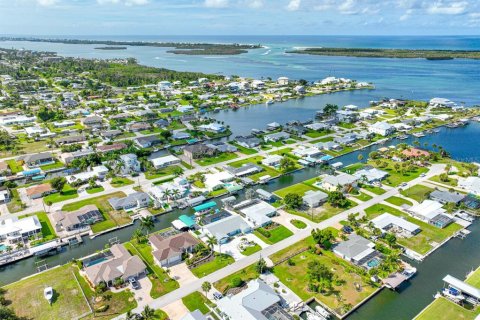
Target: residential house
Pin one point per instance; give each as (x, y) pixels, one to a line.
(370, 175)
(343, 182)
(212, 127)
(165, 161)
(441, 103)
(445, 197)
(283, 81)
(277, 136)
(431, 212)
(259, 213)
(244, 170)
(14, 230)
(111, 147)
(185, 109)
(381, 128)
(130, 163)
(415, 153)
(317, 126)
(272, 160)
(470, 184)
(194, 315)
(328, 145)
(148, 141)
(181, 135)
(227, 228)
(97, 172)
(37, 159)
(78, 219)
(93, 122)
(40, 190)
(388, 222)
(121, 265)
(215, 181)
(71, 139)
(248, 141)
(222, 147)
(314, 199)
(4, 194)
(257, 302)
(132, 201)
(138, 126)
(273, 126)
(347, 139)
(68, 157)
(170, 250)
(359, 251)
(346, 116)
(198, 151)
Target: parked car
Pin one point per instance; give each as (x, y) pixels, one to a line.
(134, 283)
(217, 296)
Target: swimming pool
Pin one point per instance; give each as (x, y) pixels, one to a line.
(373, 263)
(3, 247)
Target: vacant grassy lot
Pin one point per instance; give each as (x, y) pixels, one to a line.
(112, 217)
(295, 276)
(450, 182)
(195, 301)
(474, 278)
(417, 192)
(245, 274)
(421, 242)
(15, 166)
(398, 201)
(220, 261)
(28, 300)
(118, 182)
(163, 172)
(220, 158)
(322, 213)
(395, 178)
(277, 234)
(299, 188)
(443, 309)
(15, 204)
(68, 192)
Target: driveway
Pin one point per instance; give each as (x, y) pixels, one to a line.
(231, 248)
(142, 295)
(175, 310)
(182, 274)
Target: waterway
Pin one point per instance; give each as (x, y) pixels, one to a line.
(456, 257)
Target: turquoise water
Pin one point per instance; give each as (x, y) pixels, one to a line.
(373, 263)
(3, 247)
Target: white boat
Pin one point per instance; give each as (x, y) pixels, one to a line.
(313, 316)
(269, 102)
(322, 311)
(48, 294)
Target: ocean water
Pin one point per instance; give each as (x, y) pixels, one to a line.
(458, 79)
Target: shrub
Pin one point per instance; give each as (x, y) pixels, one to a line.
(264, 232)
(237, 282)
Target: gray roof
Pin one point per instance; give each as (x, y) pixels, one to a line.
(221, 228)
(446, 196)
(128, 200)
(194, 315)
(353, 247)
(313, 197)
(35, 157)
(342, 179)
(462, 286)
(243, 170)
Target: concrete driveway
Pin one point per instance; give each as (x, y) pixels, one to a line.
(142, 295)
(175, 310)
(182, 274)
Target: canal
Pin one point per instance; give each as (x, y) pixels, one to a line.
(457, 257)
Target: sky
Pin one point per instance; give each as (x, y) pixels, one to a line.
(240, 17)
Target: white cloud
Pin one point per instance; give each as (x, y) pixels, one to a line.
(294, 5)
(348, 7)
(255, 4)
(216, 3)
(47, 3)
(452, 8)
(128, 3)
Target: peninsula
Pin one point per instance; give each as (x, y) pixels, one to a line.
(391, 53)
(179, 48)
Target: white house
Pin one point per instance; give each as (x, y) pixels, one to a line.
(166, 161)
(381, 128)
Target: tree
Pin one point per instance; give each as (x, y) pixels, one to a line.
(323, 237)
(337, 199)
(206, 287)
(211, 242)
(58, 183)
(286, 164)
(330, 109)
(293, 201)
(147, 224)
(261, 266)
(390, 239)
(319, 276)
(360, 157)
(138, 235)
(148, 313)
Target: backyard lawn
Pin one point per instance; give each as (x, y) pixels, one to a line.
(276, 234)
(28, 300)
(196, 300)
(444, 309)
(421, 242)
(417, 192)
(68, 192)
(299, 188)
(294, 274)
(118, 182)
(220, 261)
(112, 217)
(48, 232)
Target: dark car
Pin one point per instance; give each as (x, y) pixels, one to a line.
(134, 283)
(347, 229)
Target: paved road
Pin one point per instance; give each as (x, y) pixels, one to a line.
(179, 293)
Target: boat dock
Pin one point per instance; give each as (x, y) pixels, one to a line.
(47, 248)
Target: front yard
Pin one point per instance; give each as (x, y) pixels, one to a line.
(214, 160)
(197, 301)
(417, 192)
(68, 192)
(118, 182)
(220, 261)
(273, 234)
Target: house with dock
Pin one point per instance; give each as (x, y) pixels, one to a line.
(14, 230)
(431, 212)
(170, 250)
(358, 251)
(76, 220)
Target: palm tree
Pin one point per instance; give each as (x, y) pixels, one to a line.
(147, 223)
(130, 315)
(211, 241)
(138, 235)
(148, 313)
(166, 194)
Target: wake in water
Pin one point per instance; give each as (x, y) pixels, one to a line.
(168, 59)
(266, 52)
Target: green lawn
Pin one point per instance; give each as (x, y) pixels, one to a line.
(14, 166)
(474, 278)
(298, 223)
(251, 250)
(444, 309)
(326, 139)
(161, 281)
(245, 274)
(316, 134)
(220, 261)
(244, 150)
(67, 193)
(299, 188)
(95, 190)
(326, 211)
(277, 234)
(15, 204)
(374, 189)
(112, 218)
(27, 298)
(48, 232)
(417, 192)
(295, 276)
(118, 182)
(55, 165)
(395, 178)
(421, 242)
(195, 301)
(398, 201)
(353, 167)
(163, 173)
(451, 181)
(362, 196)
(220, 158)
(346, 125)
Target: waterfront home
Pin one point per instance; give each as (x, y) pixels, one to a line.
(138, 126)
(257, 302)
(317, 126)
(97, 172)
(343, 182)
(265, 195)
(68, 157)
(212, 127)
(148, 141)
(63, 124)
(165, 161)
(282, 81)
(314, 199)
(358, 251)
(71, 139)
(347, 139)
(389, 223)
(304, 151)
(248, 141)
(132, 201)
(40, 190)
(130, 163)
(370, 175)
(328, 145)
(76, 220)
(111, 147)
(277, 136)
(445, 197)
(227, 228)
(121, 265)
(215, 181)
(300, 89)
(169, 251)
(470, 184)
(402, 126)
(381, 128)
(244, 170)
(4, 195)
(346, 116)
(198, 151)
(177, 189)
(37, 159)
(273, 126)
(272, 160)
(181, 135)
(258, 213)
(92, 122)
(431, 212)
(441, 103)
(415, 153)
(185, 109)
(14, 230)
(194, 315)
(351, 107)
